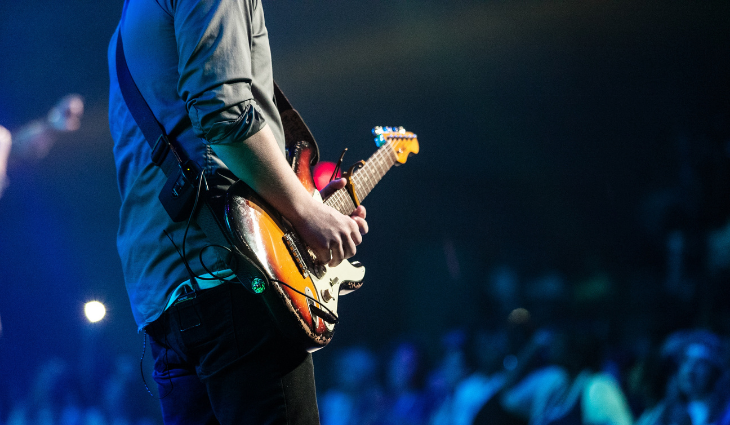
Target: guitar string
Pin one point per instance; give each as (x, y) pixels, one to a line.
(380, 161)
(370, 178)
(365, 179)
(364, 174)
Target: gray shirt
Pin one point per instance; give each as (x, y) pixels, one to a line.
(201, 65)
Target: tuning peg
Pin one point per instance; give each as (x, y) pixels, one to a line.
(378, 130)
(401, 130)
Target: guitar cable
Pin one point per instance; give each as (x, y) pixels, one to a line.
(141, 368)
(192, 275)
(334, 317)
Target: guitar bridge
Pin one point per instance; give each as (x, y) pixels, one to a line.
(292, 246)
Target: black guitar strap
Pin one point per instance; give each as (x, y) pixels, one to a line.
(179, 194)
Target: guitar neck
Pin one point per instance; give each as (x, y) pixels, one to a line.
(364, 179)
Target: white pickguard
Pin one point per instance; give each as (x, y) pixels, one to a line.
(328, 286)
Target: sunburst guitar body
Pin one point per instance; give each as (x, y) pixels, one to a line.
(301, 293)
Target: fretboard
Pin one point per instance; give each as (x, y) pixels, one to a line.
(364, 179)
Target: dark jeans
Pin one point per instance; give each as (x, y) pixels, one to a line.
(220, 359)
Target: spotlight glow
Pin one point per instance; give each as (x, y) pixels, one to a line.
(94, 311)
(322, 173)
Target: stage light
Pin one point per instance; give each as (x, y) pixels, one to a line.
(94, 311)
(322, 173)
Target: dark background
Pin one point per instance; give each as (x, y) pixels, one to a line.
(560, 137)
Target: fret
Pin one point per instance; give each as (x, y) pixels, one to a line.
(362, 185)
(365, 178)
(382, 169)
(341, 201)
(374, 169)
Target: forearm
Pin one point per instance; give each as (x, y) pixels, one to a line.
(258, 161)
(32, 134)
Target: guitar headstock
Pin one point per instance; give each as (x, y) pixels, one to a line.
(403, 143)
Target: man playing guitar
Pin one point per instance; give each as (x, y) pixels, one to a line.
(204, 69)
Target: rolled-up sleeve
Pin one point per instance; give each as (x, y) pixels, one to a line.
(214, 39)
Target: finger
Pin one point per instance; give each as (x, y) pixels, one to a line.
(323, 255)
(349, 247)
(356, 237)
(359, 212)
(321, 252)
(338, 254)
(332, 186)
(362, 225)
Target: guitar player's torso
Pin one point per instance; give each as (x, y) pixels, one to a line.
(150, 262)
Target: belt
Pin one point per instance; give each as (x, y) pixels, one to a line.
(205, 281)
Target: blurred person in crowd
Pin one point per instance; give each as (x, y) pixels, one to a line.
(490, 350)
(356, 398)
(570, 389)
(405, 400)
(646, 380)
(35, 139)
(697, 393)
(525, 377)
(450, 370)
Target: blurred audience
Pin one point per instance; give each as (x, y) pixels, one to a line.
(356, 397)
(445, 377)
(55, 398)
(490, 350)
(567, 375)
(405, 402)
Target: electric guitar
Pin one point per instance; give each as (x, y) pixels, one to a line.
(301, 292)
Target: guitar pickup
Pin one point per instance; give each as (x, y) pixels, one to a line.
(296, 254)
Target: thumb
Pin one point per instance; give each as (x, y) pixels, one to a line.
(333, 186)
